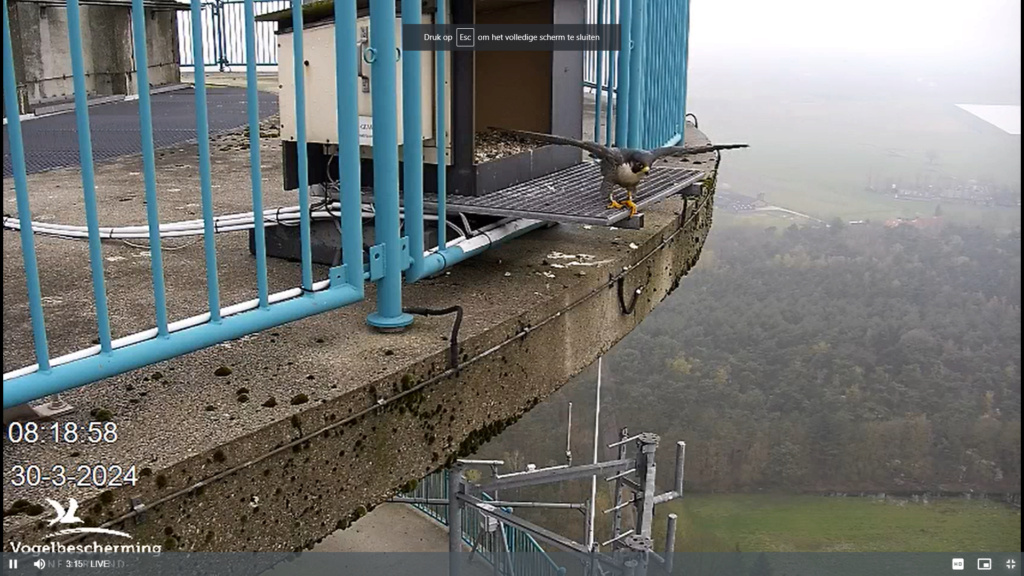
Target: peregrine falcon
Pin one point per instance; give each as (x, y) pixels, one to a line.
(623, 167)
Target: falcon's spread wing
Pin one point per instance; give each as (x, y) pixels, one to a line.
(595, 149)
(688, 150)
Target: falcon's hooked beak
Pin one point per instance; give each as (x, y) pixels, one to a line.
(645, 169)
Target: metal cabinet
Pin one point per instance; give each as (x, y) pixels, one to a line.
(321, 100)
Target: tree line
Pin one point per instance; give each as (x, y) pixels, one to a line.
(827, 359)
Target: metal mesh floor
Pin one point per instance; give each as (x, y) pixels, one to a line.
(52, 141)
(572, 195)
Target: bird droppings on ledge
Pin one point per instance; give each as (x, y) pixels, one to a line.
(494, 144)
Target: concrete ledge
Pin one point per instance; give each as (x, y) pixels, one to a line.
(46, 110)
(169, 88)
(355, 414)
(50, 109)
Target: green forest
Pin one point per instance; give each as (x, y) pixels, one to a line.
(839, 359)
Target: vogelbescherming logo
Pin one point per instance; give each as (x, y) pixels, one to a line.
(69, 516)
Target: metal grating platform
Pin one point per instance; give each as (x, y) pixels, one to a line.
(52, 141)
(572, 195)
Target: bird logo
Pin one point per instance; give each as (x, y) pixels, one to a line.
(68, 516)
(622, 167)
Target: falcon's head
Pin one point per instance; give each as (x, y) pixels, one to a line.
(640, 162)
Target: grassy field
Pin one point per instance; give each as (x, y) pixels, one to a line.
(783, 523)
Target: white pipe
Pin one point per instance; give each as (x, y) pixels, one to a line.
(489, 235)
(229, 223)
(597, 439)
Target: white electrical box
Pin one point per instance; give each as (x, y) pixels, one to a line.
(321, 93)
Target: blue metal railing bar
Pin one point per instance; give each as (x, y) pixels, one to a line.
(412, 124)
(382, 56)
(299, 75)
(636, 79)
(218, 32)
(591, 78)
(625, 50)
(441, 137)
(224, 26)
(266, 41)
(685, 33)
(99, 289)
(663, 92)
(28, 246)
(186, 336)
(205, 185)
(613, 12)
(528, 557)
(140, 349)
(595, 75)
(347, 87)
(599, 56)
(149, 167)
(255, 172)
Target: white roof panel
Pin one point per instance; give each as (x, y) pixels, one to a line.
(1004, 117)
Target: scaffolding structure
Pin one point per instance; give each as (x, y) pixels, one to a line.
(633, 473)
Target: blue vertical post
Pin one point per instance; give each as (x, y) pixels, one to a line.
(383, 69)
(412, 124)
(28, 246)
(611, 81)
(299, 70)
(441, 139)
(347, 87)
(686, 68)
(225, 61)
(149, 166)
(622, 91)
(214, 34)
(635, 67)
(255, 173)
(599, 84)
(649, 71)
(99, 289)
(203, 136)
(215, 19)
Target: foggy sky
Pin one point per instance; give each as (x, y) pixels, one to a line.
(987, 30)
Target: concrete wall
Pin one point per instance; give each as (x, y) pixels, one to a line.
(162, 48)
(42, 57)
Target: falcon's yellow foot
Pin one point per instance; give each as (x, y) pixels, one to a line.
(632, 207)
(614, 204)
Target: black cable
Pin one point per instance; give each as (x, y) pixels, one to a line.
(694, 116)
(627, 309)
(453, 352)
(277, 218)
